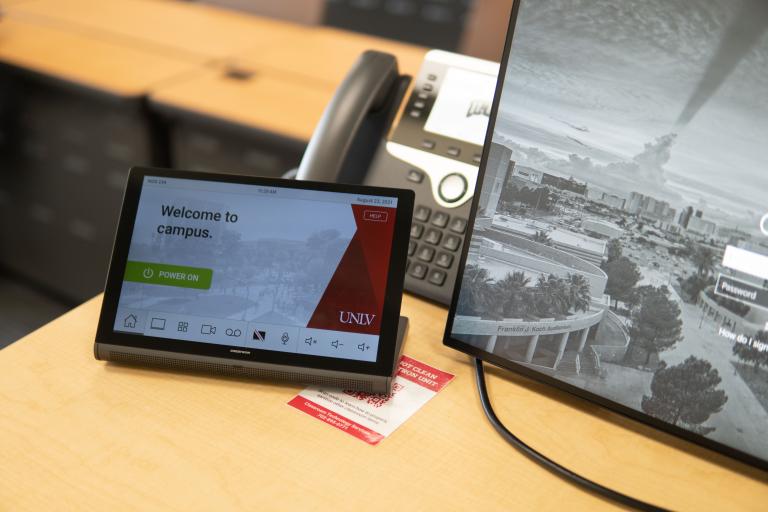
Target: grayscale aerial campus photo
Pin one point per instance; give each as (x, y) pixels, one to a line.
(621, 226)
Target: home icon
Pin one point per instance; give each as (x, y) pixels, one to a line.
(130, 321)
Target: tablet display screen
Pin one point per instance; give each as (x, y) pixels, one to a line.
(264, 268)
(620, 242)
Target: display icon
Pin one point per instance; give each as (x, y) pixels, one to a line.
(182, 326)
(259, 335)
(130, 321)
(158, 324)
(208, 329)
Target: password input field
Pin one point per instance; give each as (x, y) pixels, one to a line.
(746, 261)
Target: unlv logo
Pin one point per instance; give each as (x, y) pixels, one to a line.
(348, 317)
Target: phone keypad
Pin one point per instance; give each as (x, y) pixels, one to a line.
(426, 253)
(444, 260)
(458, 225)
(421, 213)
(433, 236)
(435, 239)
(437, 277)
(440, 219)
(452, 243)
(418, 270)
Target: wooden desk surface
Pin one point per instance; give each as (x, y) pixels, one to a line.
(325, 55)
(181, 29)
(79, 434)
(270, 101)
(290, 86)
(296, 69)
(81, 59)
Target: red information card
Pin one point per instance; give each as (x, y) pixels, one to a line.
(372, 417)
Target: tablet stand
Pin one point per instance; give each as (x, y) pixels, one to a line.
(402, 330)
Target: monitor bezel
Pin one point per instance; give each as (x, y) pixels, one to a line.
(384, 364)
(461, 346)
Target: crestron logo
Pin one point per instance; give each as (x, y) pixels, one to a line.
(348, 317)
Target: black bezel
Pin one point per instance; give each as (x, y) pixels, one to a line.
(473, 351)
(384, 364)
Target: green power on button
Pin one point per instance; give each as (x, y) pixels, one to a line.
(168, 275)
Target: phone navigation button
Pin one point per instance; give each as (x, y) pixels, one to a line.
(452, 187)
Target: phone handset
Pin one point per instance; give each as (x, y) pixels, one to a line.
(355, 121)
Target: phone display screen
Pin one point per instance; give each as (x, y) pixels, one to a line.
(462, 108)
(264, 268)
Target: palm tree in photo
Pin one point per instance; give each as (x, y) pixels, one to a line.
(551, 296)
(579, 292)
(613, 250)
(704, 259)
(561, 295)
(541, 297)
(542, 237)
(513, 297)
(476, 296)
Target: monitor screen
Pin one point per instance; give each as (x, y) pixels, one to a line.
(259, 267)
(459, 115)
(620, 240)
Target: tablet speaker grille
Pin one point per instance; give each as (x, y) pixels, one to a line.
(237, 371)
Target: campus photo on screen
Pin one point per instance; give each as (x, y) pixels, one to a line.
(621, 237)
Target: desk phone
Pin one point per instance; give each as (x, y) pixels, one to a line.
(430, 141)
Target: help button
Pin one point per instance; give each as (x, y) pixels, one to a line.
(375, 215)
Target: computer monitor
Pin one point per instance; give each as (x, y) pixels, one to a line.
(619, 245)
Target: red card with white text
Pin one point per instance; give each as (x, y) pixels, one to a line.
(372, 417)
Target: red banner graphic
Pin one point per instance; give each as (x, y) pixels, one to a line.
(354, 298)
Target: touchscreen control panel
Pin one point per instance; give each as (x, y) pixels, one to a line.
(258, 268)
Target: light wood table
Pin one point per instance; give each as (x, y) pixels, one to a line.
(325, 55)
(80, 434)
(181, 29)
(104, 65)
(266, 100)
(295, 69)
(288, 85)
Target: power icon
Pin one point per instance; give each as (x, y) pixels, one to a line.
(148, 273)
(764, 224)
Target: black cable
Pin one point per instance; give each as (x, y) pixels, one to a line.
(545, 461)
